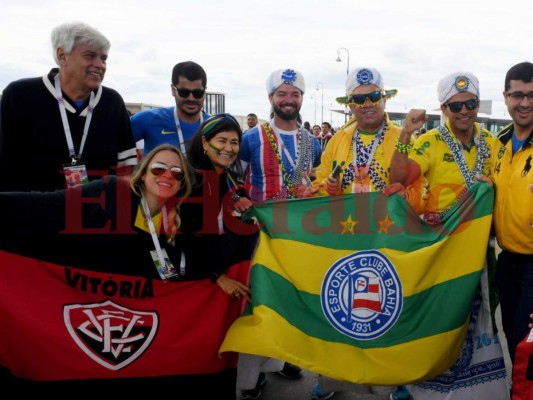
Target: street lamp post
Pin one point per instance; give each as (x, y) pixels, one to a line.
(317, 88)
(314, 97)
(347, 72)
(339, 59)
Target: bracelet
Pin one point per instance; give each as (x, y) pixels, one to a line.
(402, 148)
(235, 197)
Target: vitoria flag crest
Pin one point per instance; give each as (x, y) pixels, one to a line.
(111, 335)
(358, 288)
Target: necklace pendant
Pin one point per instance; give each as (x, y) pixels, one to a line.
(362, 173)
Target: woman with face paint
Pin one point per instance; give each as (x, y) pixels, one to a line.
(212, 218)
(218, 202)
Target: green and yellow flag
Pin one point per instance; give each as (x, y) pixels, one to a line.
(359, 288)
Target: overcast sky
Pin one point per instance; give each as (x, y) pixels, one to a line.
(413, 43)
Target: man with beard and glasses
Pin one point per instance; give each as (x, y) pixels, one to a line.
(175, 125)
(278, 158)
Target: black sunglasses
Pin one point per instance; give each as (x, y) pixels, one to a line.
(197, 93)
(360, 99)
(159, 169)
(457, 106)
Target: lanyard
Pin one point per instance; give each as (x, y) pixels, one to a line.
(179, 131)
(284, 148)
(66, 127)
(373, 149)
(155, 239)
(153, 233)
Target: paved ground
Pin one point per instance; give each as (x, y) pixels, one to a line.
(279, 388)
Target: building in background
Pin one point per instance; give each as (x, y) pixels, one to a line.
(214, 103)
(484, 118)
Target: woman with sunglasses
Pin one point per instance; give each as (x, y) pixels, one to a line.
(111, 247)
(141, 212)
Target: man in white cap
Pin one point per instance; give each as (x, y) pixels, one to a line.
(278, 158)
(455, 153)
(364, 146)
(356, 160)
(452, 156)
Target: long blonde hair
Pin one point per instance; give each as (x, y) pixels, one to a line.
(137, 183)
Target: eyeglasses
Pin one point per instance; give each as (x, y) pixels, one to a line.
(518, 96)
(159, 169)
(360, 99)
(457, 106)
(197, 93)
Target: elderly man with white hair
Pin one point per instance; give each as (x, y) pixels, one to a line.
(69, 128)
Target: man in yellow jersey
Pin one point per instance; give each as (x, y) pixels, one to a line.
(512, 164)
(448, 159)
(451, 157)
(356, 160)
(364, 146)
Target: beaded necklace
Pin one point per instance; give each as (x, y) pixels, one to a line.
(365, 158)
(481, 155)
(299, 169)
